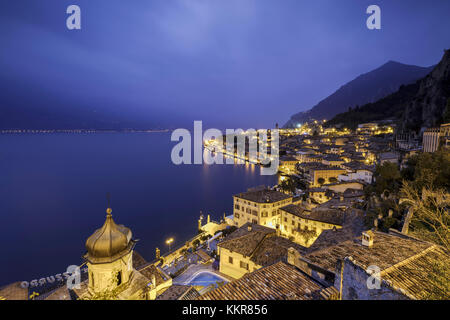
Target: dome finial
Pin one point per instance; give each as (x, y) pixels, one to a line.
(108, 199)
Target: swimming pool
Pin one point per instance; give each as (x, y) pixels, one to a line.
(207, 278)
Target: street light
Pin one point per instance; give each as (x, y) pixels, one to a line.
(169, 242)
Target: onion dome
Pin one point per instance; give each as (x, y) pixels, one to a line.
(109, 243)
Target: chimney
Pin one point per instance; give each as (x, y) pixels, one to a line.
(291, 256)
(249, 228)
(341, 198)
(367, 238)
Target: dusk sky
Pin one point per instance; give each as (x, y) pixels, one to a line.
(230, 63)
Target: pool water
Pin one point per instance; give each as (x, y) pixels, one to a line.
(206, 279)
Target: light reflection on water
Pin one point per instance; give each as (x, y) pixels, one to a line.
(53, 191)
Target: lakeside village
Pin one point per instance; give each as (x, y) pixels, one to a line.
(357, 214)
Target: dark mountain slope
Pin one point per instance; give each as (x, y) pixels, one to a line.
(366, 88)
(414, 106)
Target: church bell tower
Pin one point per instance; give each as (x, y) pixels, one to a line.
(109, 256)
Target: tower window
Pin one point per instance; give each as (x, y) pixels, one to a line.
(119, 278)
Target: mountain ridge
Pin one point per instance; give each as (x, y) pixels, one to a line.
(367, 87)
(414, 107)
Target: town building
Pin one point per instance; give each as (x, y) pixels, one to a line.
(433, 138)
(288, 165)
(259, 206)
(342, 186)
(333, 160)
(250, 248)
(303, 225)
(318, 174)
(319, 195)
(357, 171)
(405, 265)
(392, 157)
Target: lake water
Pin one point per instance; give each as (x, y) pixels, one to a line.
(53, 196)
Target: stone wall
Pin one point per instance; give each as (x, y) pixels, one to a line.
(354, 284)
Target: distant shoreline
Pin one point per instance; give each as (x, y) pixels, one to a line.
(34, 131)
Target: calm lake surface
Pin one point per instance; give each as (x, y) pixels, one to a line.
(53, 196)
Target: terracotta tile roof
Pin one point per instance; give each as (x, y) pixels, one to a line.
(179, 292)
(356, 165)
(387, 250)
(335, 217)
(279, 281)
(261, 244)
(272, 249)
(13, 291)
(138, 260)
(263, 196)
(417, 276)
(203, 255)
(336, 203)
(151, 270)
(244, 241)
(61, 293)
(332, 157)
(352, 228)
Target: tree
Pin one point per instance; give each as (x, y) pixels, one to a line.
(387, 178)
(229, 230)
(431, 218)
(288, 185)
(446, 115)
(429, 169)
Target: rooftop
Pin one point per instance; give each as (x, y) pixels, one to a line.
(263, 196)
(151, 270)
(279, 281)
(357, 165)
(260, 244)
(387, 250)
(335, 217)
(179, 292)
(13, 291)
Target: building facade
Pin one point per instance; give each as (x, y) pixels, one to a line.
(259, 207)
(433, 138)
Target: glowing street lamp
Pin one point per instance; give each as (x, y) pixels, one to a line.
(169, 242)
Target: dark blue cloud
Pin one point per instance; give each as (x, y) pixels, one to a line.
(245, 63)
